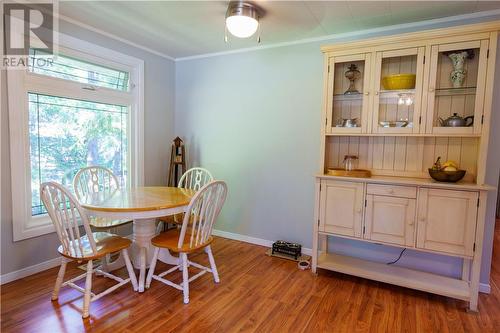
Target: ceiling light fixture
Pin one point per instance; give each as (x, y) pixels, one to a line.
(242, 19)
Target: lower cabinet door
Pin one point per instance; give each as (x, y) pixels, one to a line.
(447, 221)
(390, 220)
(341, 208)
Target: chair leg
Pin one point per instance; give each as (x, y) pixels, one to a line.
(130, 269)
(88, 288)
(185, 277)
(152, 267)
(105, 262)
(59, 279)
(208, 250)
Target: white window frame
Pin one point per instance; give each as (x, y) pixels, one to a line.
(20, 82)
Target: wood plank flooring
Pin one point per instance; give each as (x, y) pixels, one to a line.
(257, 293)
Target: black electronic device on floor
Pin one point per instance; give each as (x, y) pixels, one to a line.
(287, 248)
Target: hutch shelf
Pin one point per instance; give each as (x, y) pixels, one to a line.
(397, 132)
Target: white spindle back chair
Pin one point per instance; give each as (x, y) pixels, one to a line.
(193, 179)
(98, 179)
(202, 213)
(66, 214)
(195, 234)
(93, 179)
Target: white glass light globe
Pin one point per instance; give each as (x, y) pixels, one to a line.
(241, 26)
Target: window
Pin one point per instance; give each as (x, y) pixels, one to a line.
(68, 68)
(80, 110)
(68, 134)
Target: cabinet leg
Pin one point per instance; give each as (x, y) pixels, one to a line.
(324, 244)
(474, 284)
(473, 303)
(314, 260)
(475, 263)
(466, 270)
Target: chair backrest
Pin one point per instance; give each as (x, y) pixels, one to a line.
(202, 213)
(65, 212)
(195, 178)
(94, 179)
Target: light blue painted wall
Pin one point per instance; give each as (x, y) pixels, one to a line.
(253, 119)
(159, 129)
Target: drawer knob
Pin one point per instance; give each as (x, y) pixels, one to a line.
(359, 210)
(391, 191)
(411, 223)
(367, 93)
(422, 218)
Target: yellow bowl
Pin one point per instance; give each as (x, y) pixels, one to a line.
(399, 81)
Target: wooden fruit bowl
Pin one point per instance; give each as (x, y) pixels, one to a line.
(447, 176)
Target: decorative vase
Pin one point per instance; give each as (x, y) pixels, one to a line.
(458, 73)
(352, 75)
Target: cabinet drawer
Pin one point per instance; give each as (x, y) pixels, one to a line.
(392, 190)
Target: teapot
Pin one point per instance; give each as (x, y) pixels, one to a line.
(456, 121)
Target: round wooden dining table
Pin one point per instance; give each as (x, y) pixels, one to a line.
(143, 205)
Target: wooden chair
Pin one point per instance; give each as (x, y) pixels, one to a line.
(194, 235)
(66, 213)
(95, 179)
(194, 179)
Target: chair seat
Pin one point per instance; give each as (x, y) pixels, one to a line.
(173, 219)
(170, 239)
(105, 243)
(105, 223)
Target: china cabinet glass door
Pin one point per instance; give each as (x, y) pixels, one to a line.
(398, 90)
(457, 80)
(348, 87)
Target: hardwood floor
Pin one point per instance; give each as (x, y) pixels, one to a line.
(257, 293)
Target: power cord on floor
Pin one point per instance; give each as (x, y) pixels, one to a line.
(395, 261)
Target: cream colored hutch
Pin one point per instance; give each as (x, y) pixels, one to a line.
(400, 205)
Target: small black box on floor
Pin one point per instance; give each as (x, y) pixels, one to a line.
(287, 248)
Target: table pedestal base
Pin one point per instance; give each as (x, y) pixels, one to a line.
(142, 250)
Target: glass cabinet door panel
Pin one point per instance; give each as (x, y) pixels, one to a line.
(456, 88)
(349, 93)
(398, 90)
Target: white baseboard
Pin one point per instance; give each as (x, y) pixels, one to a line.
(251, 240)
(27, 271)
(243, 238)
(485, 288)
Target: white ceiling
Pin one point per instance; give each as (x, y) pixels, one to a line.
(187, 28)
